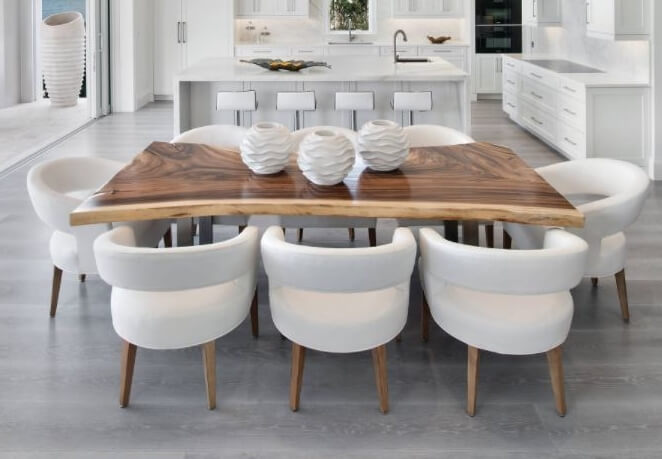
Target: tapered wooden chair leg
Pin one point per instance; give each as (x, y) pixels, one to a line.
(555, 361)
(507, 241)
(594, 281)
(372, 236)
(472, 380)
(209, 361)
(398, 339)
(300, 234)
(352, 234)
(623, 295)
(296, 376)
(55, 291)
(128, 362)
(381, 376)
(489, 235)
(167, 239)
(82, 278)
(425, 320)
(255, 324)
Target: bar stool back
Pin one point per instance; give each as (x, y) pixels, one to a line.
(298, 102)
(353, 102)
(236, 101)
(411, 102)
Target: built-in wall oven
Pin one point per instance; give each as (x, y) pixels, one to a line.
(498, 26)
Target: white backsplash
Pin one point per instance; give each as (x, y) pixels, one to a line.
(312, 31)
(571, 42)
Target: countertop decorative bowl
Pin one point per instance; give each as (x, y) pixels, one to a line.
(438, 40)
(291, 66)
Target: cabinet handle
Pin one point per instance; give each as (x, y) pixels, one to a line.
(262, 51)
(535, 8)
(570, 112)
(179, 32)
(510, 82)
(510, 64)
(535, 120)
(305, 51)
(536, 95)
(569, 89)
(536, 75)
(511, 105)
(574, 144)
(588, 12)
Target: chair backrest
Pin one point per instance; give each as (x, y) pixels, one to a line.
(558, 266)
(216, 135)
(338, 270)
(122, 264)
(623, 188)
(427, 135)
(298, 136)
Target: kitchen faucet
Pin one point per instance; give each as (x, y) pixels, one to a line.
(350, 25)
(396, 58)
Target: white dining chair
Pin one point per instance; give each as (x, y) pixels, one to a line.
(351, 223)
(514, 302)
(56, 188)
(612, 195)
(339, 300)
(426, 135)
(178, 297)
(225, 136)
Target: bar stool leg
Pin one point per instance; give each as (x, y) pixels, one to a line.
(237, 118)
(354, 122)
(297, 120)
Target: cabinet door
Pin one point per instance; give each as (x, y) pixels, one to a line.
(488, 70)
(549, 11)
(452, 8)
(244, 7)
(632, 17)
(204, 24)
(292, 7)
(600, 17)
(168, 47)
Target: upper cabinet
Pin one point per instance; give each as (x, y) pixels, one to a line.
(428, 8)
(270, 8)
(542, 12)
(618, 19)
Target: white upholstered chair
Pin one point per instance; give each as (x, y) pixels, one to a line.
(514, 302)
(339, 300)
(59, 186)
(617, 191)
(178, 297)
(425, 135)
(219, 136)
(329, 222)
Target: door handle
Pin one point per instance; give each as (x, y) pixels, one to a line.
(588, 12)
(535, 8)
(179, 31)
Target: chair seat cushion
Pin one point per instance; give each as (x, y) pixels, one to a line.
(180, 319)
(64, 252)
(505, 324)
(340, 322)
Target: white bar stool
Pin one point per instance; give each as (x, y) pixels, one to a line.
(236, 101)
(411, 102)
(298, 102)
(355, 101)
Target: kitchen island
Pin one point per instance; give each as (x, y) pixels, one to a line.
(196, 89)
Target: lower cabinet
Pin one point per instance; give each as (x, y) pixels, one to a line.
(487, 74)
(578, 120)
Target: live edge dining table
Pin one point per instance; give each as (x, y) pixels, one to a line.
(472, 182)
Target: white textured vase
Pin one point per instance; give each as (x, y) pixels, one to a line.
(63, 57)
(266, 148)
(326, 157)
(383, 145)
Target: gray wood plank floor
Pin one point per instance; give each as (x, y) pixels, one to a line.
(59, 378)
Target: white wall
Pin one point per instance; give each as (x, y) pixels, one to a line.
(656, 160)
(312, 29)
(10, 56)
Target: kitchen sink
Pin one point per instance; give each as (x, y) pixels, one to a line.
(562, 66)
(412, 60)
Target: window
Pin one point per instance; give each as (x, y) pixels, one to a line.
(341, 15)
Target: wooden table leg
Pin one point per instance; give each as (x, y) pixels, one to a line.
(206, 230)
(184, 232)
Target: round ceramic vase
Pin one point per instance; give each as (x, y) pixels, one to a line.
(326, 157)
(63, 57)
(266, 148)
(383, 145)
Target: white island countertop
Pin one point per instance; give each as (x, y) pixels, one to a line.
(346, 68)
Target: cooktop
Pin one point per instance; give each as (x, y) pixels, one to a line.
(561, 66)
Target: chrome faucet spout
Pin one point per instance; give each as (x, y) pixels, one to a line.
(350, 26)
(396, 58)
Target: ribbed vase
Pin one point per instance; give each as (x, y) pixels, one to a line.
(266, 148)
(326, 157)
(63, 57)
(383, 145)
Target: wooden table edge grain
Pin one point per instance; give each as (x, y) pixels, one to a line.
(300, 207)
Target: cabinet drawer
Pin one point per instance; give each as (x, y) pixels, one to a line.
(571, 141)
(538, 95)
(572, 89)
(572, 112)
(511, 105)
(308, 51)
(538, 121)
(353, 50)
(539, 75)
(511, 81)
(439, 51)
(402, 51)
(512, 64)
(262, 51)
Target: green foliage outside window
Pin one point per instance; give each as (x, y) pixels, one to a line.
(342, 11)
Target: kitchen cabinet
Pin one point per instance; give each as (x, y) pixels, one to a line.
(542, 12)
(487, 74)
(185, 32)
(618, 19)
(428, 8)
(271, 8)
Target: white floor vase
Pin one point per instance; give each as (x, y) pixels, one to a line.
(326, 157)
(63, 57)
(383, 145)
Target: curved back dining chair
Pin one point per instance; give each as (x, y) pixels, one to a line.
(339, 300)
(616, 192)
(224, 136)
(178, 297)
(56, 188)
(351, 223)
(426, 135)
(514, 302)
